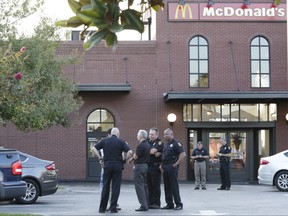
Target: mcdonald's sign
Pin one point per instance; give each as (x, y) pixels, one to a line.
(183, 9)
(186, 12)
(226, 12)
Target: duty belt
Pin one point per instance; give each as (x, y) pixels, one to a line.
(114, 161)
(199, 161)
(168, 162)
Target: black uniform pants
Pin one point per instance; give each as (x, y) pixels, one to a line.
(225, 174)
(171, 186)
(112, 174)
(154, 184)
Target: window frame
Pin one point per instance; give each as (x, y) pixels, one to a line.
(200, 61)
(258, 79)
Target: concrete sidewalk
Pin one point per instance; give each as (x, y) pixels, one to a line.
(83, 199)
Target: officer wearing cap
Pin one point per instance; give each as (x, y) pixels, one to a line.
(199, 156)
(173, 155)
(224, 157)
(154, 173)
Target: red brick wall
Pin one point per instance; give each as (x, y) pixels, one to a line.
(146, 66)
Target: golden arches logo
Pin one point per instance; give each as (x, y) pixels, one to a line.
(183, 9)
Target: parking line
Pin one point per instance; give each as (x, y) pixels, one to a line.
(210, 212)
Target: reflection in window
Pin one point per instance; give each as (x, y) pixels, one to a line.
(238, 146)
(100, 120)
(211, 112)
(229, 112)
(237, 140)
(198, 62)
(187, 111)
(260, 63)
(196, 112)
(214, 147)
(263, 143)
(248, 112)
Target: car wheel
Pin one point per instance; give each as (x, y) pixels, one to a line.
(32, 192)
(281, 181)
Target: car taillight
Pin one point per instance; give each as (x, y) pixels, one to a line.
(17, 168)
(263, 162)
(50, 167)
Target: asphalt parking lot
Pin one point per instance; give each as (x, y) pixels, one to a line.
(83, 199)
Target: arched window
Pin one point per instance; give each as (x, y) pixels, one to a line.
(100, 120)
(198, 62)
(260, 63)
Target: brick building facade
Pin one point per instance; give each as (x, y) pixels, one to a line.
(139, 84)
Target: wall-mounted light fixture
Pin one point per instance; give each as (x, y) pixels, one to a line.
(286, 117)
(171, 118)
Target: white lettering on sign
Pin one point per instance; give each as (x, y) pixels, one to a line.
(256, 12)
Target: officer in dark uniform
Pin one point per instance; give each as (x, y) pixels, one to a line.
(224, 157)
(173, 155)
(154, 173)
(141, 158)
(113, 166)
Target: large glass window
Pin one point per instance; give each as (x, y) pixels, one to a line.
(198, 62)
(100, 120)
(237, 140)
(260, 63)
(229, 112)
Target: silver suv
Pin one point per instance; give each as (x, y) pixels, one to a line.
(11, 184)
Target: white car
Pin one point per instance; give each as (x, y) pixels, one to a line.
(273, 170)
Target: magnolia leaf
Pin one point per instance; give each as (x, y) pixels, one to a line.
(114, 11)
(93, 12)
(97, 7)
(74, 5)
(111, 40)
(157, 7)
(94, 39)
(97, 3)
(116, 28)
(85, 2)
(71, 22)
(131, 19)
(91, 20)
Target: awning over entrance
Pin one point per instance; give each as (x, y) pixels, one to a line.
(110, 87)
(226, 97)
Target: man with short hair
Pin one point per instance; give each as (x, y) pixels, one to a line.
(199, 156)
(173, 155)
(224, 157)
(113, 166)
(141, 158)
(154, 172)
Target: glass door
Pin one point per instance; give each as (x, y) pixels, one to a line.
(93, 166)
(237, 140)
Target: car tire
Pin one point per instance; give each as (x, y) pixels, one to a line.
(32, 192)
(281, 181)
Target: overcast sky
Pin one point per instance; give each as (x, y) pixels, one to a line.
(62, 11)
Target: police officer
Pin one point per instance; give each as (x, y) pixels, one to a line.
(141, 158)
(224, 157)
(199, 156)
(113, 164)
(173, 155)
(154, 173)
